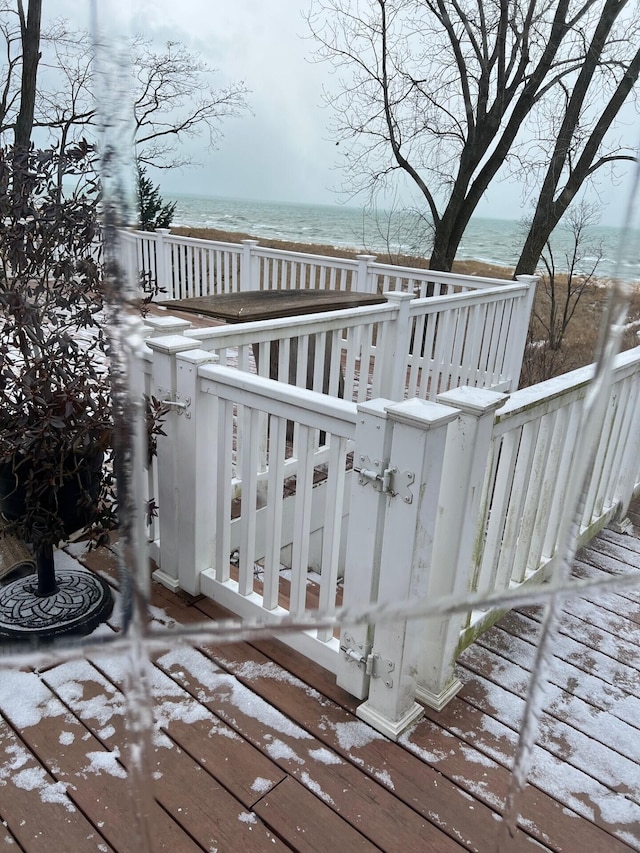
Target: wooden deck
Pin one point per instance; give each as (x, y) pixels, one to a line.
(255, 748)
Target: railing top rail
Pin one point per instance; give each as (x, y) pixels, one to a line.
(433, 304)
(352, 264)
(325, 260)
(136, 233)
(310, 408)
(181, 240)
(438, 276)
(524, 405)
(292, 327)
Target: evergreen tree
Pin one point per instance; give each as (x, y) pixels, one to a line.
(152, 211)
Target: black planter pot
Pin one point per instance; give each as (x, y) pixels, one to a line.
(75, 601)
(72, 502)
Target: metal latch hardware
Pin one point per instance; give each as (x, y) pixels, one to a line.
(356, 652)
(385, 478)
(179, 404)
(370, 661)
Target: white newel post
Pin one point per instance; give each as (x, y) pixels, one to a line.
(165, 324)
(463, 473)
(365, 282)
(195, 478)
(249, 268)
(162, 266)
(518, 339)
(417, 450)
(163, 387)
(364, 544)
(397, 347)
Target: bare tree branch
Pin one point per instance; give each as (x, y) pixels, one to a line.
(174, 99)
(453, 92)
(174, 96)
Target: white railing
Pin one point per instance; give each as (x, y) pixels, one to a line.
(531, 457)
(290, 517)
(406, 348)
(185, 267)
(441, 499)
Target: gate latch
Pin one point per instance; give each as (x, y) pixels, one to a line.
(179, 403)
(371, 662)
(385, 478)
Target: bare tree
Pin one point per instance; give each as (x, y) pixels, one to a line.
(173, 93)
(563, 287)
(174, 100)
(11, 64)
(448, 91)
(578, 150)
(65, 106)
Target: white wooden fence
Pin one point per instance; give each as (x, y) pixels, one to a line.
(408, 347)
(185, 266)
(401, 499)
(372, 446)
(531, 456)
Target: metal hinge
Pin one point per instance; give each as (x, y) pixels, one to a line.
(385, 478)
(179, 403)
(371, 662)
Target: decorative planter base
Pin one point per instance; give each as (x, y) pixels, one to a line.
(80, 602)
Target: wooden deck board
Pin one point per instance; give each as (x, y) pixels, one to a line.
(470, 769)
(561, 741)
(306, 823)
(257, 748)
(585, 685)
(564, 708)
(35, 810)
(583, 827)
(409, 779)
(583, 657)
(95, 779)
(221, 770)
(269, 724)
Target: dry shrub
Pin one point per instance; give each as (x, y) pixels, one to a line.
(581, 337)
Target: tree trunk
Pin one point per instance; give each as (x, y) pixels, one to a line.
(449, 232)
(30, 31)
(539, 231)
(552, 203)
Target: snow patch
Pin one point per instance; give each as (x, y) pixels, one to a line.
(325, 756)
(384, 777)
(354, 735)
(261, 785)
(312, 785)
(224, 687)
(279, 749)
(107, 732)
(25, 700)
(105, 762)
(36, 779)
(271, 670)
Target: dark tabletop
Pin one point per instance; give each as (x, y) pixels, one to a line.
(272, 304)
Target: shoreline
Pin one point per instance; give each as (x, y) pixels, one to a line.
(464, 267)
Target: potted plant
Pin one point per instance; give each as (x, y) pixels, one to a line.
(56, 423)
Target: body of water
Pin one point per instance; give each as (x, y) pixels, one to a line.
(494, 241)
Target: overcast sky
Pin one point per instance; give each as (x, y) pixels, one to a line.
(282, 151)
